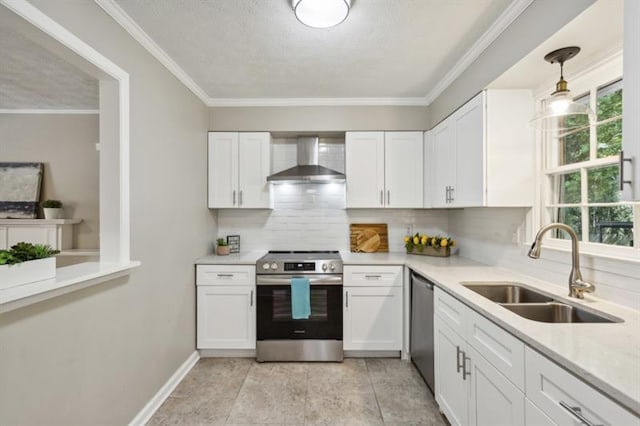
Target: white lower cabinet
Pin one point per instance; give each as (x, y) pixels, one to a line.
(470, 390)
(226, 307)
(486, 376)
(372, 317)
(567, 400)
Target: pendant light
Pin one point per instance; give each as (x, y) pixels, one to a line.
(560, 112)
(321, 13)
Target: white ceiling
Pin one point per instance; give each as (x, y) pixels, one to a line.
(256, 49)
(604, 18)
(33, 77)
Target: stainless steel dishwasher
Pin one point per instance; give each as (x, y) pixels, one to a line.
(421, 346)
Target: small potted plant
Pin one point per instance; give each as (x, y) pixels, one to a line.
(425, 245)
(52, 209)
(223, 247)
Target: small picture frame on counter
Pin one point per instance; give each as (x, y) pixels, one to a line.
(234, 243)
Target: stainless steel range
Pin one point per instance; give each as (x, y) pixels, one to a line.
(279, 336)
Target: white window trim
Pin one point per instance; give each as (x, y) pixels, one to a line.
(114, 181)
(600, 73)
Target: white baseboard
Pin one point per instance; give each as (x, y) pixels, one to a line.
(154, 403)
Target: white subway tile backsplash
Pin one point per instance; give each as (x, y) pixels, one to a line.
(313, 217)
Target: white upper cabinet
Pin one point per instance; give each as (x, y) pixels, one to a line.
(238, 170)
(631, 101)
(483, 154)
(384, 169)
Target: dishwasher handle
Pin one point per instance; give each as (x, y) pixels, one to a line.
(417, 278)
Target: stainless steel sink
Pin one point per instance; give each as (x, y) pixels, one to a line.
(506, 292)
(555, 312)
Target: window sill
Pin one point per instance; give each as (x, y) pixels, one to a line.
(68, 279)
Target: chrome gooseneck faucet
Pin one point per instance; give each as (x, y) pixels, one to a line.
(577, 286)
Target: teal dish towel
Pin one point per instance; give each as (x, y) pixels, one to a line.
(300, 298)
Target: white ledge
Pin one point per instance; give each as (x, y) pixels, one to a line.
(39, 221)
(68, 279)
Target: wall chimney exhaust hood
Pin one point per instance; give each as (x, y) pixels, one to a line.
(308, 170)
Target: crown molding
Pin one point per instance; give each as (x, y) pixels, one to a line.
(48, 111)
(301, 102)
(507, 17)
(121, 17)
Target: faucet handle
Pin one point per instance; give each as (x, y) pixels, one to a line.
(578, 287)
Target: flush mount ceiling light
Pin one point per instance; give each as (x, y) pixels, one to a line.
(321, 13)
(560, 111)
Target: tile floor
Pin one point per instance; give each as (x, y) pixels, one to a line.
(238, 391)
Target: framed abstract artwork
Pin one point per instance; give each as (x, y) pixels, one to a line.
(20, 190)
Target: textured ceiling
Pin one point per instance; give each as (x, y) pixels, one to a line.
(32, 77)
(257, 48)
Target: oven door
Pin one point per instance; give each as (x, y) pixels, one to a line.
(274, 321)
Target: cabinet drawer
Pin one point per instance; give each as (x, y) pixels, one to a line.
(450, 310)
(548, 385)
(504, 351)
(370, 276)
(225, 274)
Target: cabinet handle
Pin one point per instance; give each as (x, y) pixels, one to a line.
(240, 198)
(446, 198)
(622, 160)
(381, 197)
(458, 365)
(234, 197)
(577, 412)
(465, 373)
(251, 299)
(451, 190)
(347, 300)
(372, 277)
(225, 275)
(388, 197)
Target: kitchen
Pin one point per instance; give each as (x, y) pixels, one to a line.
(143, 327)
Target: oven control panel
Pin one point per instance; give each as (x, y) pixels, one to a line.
(316, 267)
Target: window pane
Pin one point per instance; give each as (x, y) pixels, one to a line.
(609, 105)
(603, 185)
(611, 225)
(574, 147)
(568, 186)
(571, 216)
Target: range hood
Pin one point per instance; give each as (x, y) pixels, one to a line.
(308, 170)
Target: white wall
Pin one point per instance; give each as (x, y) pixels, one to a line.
(66, 143)
(324, 118)
(486, 235)
(98, 355)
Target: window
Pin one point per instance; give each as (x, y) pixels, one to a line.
(581, 173)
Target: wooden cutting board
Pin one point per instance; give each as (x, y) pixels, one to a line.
(369, 237)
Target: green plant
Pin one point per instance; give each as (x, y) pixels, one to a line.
(23, 252)
(420, 241)
(222, 242)
(51, 204)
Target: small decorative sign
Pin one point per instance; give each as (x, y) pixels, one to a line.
(234, 243)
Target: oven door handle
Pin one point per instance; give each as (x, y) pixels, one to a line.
(286, 279)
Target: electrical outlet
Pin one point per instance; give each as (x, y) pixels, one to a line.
(408, 229)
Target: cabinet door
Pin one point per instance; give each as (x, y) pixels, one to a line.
(226, 317)
(364, 167)
(469, 154)
(253, 165)
(427, 164)
(631, 99)
(403, 169)
(450, 390)
(494, 400)
(223, 169)
(443, 165)
(373, 318)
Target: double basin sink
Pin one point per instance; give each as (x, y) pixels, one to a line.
(534, 305)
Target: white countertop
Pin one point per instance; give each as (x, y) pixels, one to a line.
(39, 221)
(606, 355)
